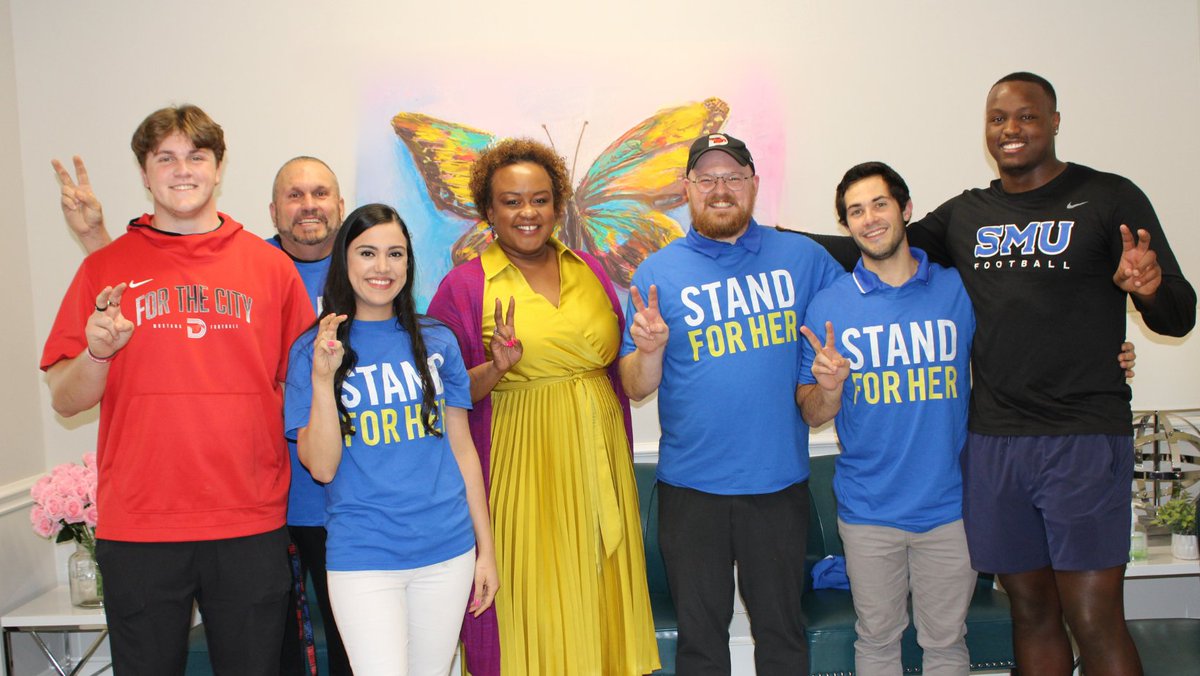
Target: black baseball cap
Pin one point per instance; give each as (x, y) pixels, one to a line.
(724, 142)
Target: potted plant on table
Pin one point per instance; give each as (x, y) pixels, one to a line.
(1179, 515)
(64, 508)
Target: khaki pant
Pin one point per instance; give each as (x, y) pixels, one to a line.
(884, 564)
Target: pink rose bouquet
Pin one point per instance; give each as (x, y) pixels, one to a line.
(64, 503)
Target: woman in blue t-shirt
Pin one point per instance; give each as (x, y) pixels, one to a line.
(405, 507)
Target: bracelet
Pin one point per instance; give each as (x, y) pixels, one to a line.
(99, 360)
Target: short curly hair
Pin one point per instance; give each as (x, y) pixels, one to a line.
(514, 151)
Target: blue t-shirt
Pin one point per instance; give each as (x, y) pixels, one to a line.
(312, 272)
(306, 497)
(398, 500)
(903, 420)
(727, 400)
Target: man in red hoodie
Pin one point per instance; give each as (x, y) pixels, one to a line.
(181, 330)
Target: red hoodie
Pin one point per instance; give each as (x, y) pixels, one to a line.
(191, 432)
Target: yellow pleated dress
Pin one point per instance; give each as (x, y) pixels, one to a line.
(573, 597)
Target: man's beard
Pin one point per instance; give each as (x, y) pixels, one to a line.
(721, 226)
(307, 236)
(884, 254)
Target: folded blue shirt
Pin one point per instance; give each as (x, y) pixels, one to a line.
(830, 573)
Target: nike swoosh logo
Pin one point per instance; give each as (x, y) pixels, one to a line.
(134, 285)
(1077, 204)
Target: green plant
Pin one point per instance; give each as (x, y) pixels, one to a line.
(1179, 514)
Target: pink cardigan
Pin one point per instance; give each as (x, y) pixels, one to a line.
(459, 304)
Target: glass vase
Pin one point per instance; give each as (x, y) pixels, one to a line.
(87, 587)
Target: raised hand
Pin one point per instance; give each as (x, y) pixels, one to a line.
(80, 206)
(107, 330)
(328, 350)
(648, 329)
(1138, 271)
(828, 367)
(506, 347)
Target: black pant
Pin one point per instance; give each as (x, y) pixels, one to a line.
(240, 585)
(310, 542)
(702, 535)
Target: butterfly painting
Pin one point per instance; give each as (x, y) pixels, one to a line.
(620, 212)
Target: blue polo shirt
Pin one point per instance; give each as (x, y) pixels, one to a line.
(903, 419)
(726, 403)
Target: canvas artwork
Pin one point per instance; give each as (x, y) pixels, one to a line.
(629, 198)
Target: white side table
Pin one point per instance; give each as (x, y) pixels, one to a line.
(52, 613)
(1162, 585)
(1160, 562)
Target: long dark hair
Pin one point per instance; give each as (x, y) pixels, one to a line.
(338, 298)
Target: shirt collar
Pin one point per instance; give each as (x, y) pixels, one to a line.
(494, 260)
(751, 240)
(868, 281)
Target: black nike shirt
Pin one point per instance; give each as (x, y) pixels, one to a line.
(1038, 267)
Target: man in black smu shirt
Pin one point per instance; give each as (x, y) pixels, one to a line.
(1048, 254)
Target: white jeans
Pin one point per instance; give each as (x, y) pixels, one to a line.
(402, 622)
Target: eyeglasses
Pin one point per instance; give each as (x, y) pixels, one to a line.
(734, 182)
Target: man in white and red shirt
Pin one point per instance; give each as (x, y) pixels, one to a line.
(181, 331)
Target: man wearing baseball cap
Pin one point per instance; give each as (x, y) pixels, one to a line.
(716, 333)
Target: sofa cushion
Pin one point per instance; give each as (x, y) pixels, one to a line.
(666, 624)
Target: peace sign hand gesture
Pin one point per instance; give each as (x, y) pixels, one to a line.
(328, 350)
(80, 205)
(107, 330)
(648, 330)
(828, 367)
(505, 346)
(1138, 271)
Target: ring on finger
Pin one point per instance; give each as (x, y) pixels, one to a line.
(100, 309)
(114, 303)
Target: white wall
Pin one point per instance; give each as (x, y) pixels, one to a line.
(26, 563)
(902, 82)
(873, 79)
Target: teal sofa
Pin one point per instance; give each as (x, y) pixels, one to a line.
(829, 612)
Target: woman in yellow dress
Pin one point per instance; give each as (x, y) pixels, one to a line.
(540, 328)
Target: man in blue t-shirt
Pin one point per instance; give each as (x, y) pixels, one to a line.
(307, 209)
(899, 330)
(717, 336)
